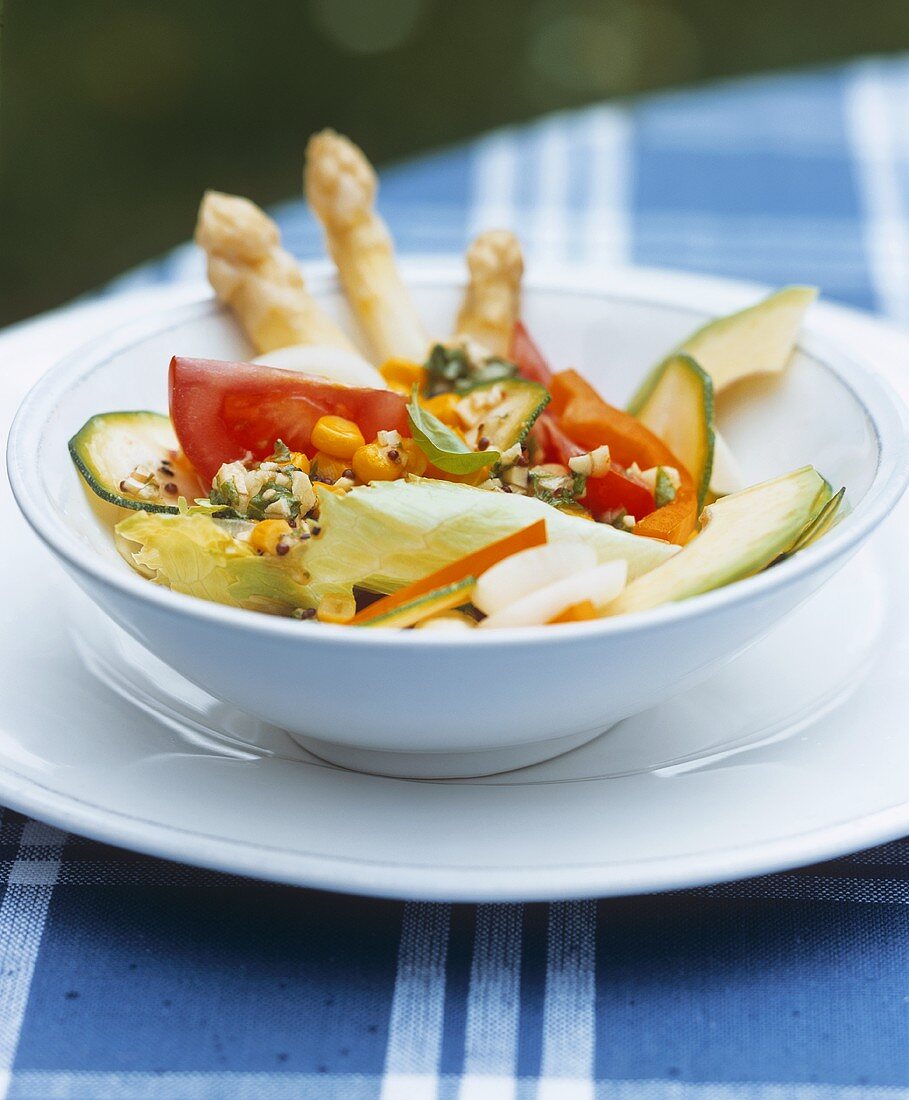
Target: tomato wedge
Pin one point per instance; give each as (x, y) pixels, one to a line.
(554, 444)
(223, 411)
(618, 490)
(527, 356)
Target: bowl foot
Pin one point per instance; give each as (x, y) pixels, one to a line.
(443, 765)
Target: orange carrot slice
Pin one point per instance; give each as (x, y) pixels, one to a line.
(577, 613)
(471, 565)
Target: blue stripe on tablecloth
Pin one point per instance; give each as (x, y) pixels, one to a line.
(784, 987)
(204, 961)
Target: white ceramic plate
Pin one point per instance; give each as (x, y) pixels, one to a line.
(793, 753)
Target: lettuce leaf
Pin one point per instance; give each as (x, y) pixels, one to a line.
(199, 556)
(378, 537)
(391, 533)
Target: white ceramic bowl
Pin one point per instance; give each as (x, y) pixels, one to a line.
(411, 703)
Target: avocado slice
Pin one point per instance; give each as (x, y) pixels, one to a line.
(832, 511)
(757, 340)
(109, 447)
(430, 603)
(740, 535)
(679, 409)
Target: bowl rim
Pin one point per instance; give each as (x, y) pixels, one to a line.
(885, 412)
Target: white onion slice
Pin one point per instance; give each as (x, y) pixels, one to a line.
(336, 364)
(446, 624)
(600, 585)
(517, 576)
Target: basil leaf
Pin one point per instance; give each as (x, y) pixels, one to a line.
(440, 444)
(664, 490)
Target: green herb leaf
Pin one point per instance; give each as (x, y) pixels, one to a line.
(440, 444)
(450, 370)
(224, 494)
(664, 490)
(566, 495)
(259, 504)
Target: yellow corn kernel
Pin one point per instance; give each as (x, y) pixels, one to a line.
(414, 459)
(401, 374)
(336, 609)
(267, 534)
(336, 436)
(338, 490)
(371, 463)
(300, 460)
(442, 406)
(327, 466)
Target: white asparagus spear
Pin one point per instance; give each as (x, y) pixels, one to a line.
(492, 301)
(340, 186)
(261, 282)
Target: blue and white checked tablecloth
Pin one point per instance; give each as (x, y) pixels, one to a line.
(126, 976)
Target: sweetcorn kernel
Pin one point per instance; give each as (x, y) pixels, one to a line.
(328, 467)
(371, 463)
(443, 406)
(337, 436)
(414, 459)
(266, 536)
(336, 609)
(402, 373)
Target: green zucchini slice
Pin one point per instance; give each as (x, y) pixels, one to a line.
(430, 603)
(679, 409)
(504, 422)
(115, 452)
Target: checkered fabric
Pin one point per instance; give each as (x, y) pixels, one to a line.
(124, 976)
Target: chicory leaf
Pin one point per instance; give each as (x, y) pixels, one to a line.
(441, 446)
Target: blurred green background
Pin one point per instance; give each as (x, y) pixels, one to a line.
(116, 114)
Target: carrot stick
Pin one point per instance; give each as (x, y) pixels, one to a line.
(471, 565)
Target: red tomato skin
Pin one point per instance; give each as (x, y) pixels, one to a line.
(527, 357)
(553, 442)
(618, 490)
(224, 411)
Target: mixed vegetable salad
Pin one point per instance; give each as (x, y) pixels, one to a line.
(447, 484)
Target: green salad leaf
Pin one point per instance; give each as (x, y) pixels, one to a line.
(199, 556)
(441, 446)
(388, 534)
(377, 537)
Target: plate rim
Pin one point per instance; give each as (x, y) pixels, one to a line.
(447, 882)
